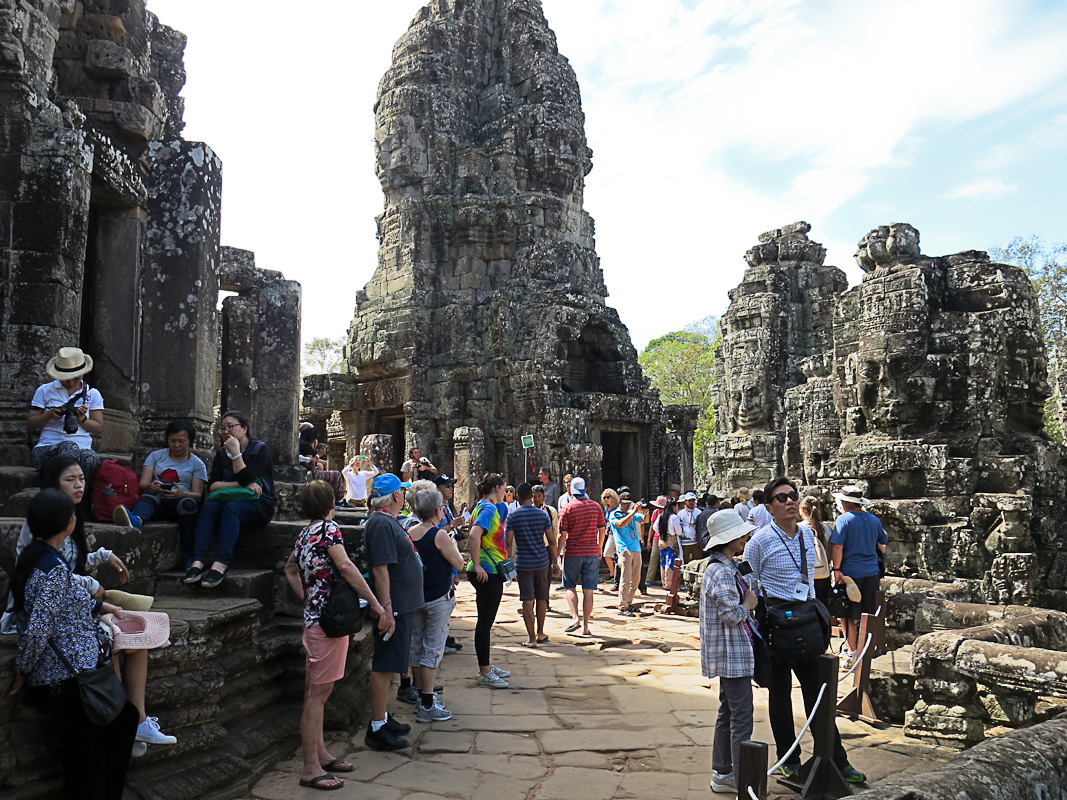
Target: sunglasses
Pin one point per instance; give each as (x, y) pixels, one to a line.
(782, 497)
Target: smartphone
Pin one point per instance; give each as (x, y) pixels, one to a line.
(166, 486)
(744, 568)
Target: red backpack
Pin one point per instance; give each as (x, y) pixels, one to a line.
(115, 486)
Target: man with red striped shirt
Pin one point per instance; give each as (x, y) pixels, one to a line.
(582, 528)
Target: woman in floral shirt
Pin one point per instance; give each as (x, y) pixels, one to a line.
(317, 558)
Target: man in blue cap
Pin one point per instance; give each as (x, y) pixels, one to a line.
(396, 577)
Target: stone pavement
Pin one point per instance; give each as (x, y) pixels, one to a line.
(623, 715)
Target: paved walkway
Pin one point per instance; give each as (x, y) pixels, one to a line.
(594, 719)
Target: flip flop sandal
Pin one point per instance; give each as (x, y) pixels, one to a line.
(528, 644)
(316, 783)
(339, 765)
(573, 628)
(542, 639)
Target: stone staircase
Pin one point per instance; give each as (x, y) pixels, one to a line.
(230, 685)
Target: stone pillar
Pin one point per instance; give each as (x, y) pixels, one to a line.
(44, 207)
(239, 383)
(179, 343)
(378, 447)
(277, 368)
(468, 445)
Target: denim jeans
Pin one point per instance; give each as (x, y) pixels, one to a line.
(225, 521)
(733, 724)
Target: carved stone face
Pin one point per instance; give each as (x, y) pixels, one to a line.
(749, 414)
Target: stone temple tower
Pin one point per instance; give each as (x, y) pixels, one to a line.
(487, 307)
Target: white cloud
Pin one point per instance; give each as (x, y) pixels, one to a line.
(981, 189)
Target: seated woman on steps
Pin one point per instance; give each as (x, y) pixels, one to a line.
(66, 475)
(241, 463)
(172, 485)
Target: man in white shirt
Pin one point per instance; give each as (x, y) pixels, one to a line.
(566, 498)
(687, 516)
(760, 515)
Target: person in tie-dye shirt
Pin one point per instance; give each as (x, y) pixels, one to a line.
(488, 547)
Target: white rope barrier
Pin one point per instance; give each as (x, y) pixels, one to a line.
(859, 658)
(878, 613)
(752, 793)
(803, 730)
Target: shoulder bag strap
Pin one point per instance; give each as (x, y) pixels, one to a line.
(803, 554)
(59, 654)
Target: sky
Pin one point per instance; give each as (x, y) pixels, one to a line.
(711, 121)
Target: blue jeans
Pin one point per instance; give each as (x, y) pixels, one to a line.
(225, 520)
(183, 511)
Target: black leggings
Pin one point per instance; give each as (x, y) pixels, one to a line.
(487, 598)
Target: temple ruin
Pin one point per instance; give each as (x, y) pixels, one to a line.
(486, 316)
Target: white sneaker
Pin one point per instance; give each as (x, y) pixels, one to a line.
(435, 713)
(139, 749)
(491, 680)
(500, 673)
(723, 783)
(149, 732)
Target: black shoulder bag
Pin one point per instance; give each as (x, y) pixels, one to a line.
(343, 613)
(102, 694)
(797, 630)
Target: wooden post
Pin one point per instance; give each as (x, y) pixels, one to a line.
(819, 776)
(752, 771)
(878, 646)
(672, 606)
(857, 703)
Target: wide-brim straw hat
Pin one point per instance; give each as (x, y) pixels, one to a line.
(723, 528)
(851, 589)
(127, 601)
(851, 494)
(69, 364)
(139, 630)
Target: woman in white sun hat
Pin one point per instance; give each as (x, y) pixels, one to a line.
(67, 412)
(726, 630)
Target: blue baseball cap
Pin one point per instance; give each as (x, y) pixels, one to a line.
(386, 483)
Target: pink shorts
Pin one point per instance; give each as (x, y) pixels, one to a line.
(325, 656)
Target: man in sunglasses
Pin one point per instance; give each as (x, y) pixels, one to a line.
(778, 564)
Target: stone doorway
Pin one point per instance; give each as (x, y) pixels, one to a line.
(623, 464)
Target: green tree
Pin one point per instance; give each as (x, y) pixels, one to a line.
(682, 366)
(323, 355)
(1047, 268)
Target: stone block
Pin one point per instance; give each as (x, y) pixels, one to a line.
(106, 59)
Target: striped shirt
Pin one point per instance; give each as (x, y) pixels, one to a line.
(775, 560)
(581, 521)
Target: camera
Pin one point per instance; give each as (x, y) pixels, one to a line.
(744, 568)
(645, 504)
(70, 415)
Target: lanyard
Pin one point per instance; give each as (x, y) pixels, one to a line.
(803, 565)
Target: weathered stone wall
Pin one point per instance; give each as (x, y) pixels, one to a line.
(487, 308)
(928, 391)
(109, 231)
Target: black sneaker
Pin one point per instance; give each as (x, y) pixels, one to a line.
(408, 694)
(852, 775)
(211, 579)
(396, 726)
(383, 738)
(788, 772)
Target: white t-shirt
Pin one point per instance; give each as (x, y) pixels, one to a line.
(357, 481)
(565, 500)
(688, 520)
(407, 467)
(53, 395)
(760, 516)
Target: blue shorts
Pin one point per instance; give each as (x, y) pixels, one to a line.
(581, 569)
(666, 557)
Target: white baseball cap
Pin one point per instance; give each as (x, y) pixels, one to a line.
(689, 496)
(577, 485)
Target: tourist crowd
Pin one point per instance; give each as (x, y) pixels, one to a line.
(763, 554)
